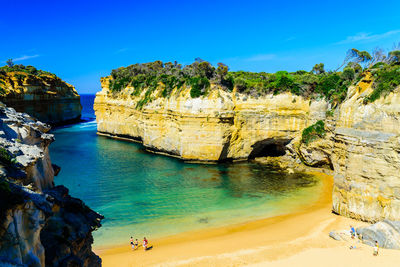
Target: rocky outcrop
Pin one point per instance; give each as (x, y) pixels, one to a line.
(366, 157)
(45, 97)
(386, 232)
(40, 225)
(217, 127)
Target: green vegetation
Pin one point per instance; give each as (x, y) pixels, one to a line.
(150, 76)
(6, 158)
(313, 132)
(386, 79)
(26, 69)
(12, 76)
(317, 83)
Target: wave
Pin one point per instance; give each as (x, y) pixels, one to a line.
(85, 125)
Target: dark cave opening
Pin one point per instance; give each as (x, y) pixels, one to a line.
(269, 148)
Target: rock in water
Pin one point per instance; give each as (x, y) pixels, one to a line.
(386, 232)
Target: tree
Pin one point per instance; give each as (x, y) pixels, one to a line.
(199, 60)
(355, 56)
(348, 74)
(10, 63)
(378, 55)
(394, 57)
(222, 70)
(318, 68)
(360, 56)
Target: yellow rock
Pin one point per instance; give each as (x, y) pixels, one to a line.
(45, 97)
(215, 127)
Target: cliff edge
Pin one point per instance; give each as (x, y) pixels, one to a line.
(40, 94)
(40, 224)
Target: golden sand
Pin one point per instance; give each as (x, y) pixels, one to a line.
(297, 239)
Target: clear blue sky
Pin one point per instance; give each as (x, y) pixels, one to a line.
(81, 41)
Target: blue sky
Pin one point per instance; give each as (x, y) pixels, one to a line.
(81, 41)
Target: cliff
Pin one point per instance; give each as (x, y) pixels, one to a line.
(40, 94)
(40, 224)
(366, 156)
(358, 134)
(220, 126)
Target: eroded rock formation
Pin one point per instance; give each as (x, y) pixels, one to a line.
(45, 97)
(40, 225)
(217, 127)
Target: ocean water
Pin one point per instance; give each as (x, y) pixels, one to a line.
(143, 194)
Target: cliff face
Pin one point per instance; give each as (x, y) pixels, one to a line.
(217, 127)
(45, 97)
(361, 143)
(40, 225)
(366, 157)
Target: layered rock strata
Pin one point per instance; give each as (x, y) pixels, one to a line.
(366, 157)
(40, 224)
(45, 97)
(217, 127)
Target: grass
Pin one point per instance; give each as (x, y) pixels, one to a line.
(313, 132)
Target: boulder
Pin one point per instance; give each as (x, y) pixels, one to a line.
(386, 232)
(334, 235)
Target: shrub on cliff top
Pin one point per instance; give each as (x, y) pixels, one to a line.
(27, 69)
(332, 85)
(386, 79)
(200, 74)
(313, 132)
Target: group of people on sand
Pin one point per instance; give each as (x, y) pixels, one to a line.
(135, 244)
(353, 234)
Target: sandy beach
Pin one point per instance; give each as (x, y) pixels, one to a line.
(297, 239)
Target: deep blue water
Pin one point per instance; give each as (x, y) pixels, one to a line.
(143, 194)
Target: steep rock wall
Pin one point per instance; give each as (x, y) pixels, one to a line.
(366, 157)
(45, 97)
(40, 225)
(217, 127)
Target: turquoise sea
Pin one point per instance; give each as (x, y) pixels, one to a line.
(143, 194)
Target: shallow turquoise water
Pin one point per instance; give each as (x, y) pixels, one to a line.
(143, 194)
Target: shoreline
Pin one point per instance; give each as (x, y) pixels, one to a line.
(250, 221)
(211, 242)
(296, 239)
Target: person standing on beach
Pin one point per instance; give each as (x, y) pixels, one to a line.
(352, 232)
(132, 244)
(136, 243)
(376, 248)
(145, 242)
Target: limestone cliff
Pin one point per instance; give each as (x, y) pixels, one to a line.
(43, 96)
(222, 125)
(40, 225)
(366, 156)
